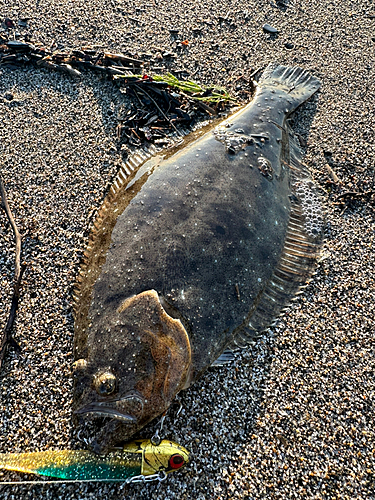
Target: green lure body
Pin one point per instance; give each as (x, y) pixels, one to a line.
(138, 458)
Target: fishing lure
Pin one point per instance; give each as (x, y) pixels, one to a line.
(136, 460)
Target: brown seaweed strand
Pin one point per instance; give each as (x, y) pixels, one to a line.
(7, 338)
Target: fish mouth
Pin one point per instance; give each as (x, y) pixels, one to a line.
(128, 409)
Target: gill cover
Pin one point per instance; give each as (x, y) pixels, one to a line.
(168, 344)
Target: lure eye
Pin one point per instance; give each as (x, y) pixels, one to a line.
(105, 383)
(176, 461)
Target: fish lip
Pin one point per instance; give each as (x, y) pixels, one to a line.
(112, 408)
(105, 411)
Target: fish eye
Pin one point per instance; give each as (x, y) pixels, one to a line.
(105, 383)
(176, 461)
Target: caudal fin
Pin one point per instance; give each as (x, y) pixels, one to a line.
(296, 82)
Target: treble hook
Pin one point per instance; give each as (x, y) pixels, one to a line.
(156, 439)
(179, 410)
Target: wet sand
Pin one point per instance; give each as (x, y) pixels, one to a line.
(293, 417)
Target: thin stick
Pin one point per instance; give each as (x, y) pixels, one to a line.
(332, 174)
(355, 194)
(207, 108)
(161, 111)
(7, 338)
(121, 57)
(5, 206)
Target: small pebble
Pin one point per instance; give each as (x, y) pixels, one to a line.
(270, 29)
(9, 23)
(22, 23)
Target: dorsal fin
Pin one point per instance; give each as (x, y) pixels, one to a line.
(302, 245)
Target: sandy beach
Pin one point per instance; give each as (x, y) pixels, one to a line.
(293, 416)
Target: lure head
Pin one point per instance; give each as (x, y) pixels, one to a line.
(166, 456)
(133, 370)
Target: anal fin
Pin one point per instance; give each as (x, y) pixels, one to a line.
(224, 359)
(302, 246)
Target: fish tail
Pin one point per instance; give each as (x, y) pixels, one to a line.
(293, 81)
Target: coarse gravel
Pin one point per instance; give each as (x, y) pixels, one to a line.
(293, 416)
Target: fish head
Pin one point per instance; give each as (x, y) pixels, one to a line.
(133, 369)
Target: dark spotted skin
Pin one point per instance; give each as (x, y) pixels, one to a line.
(205, 230)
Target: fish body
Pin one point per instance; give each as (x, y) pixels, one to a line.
(138, 458)
(192, 255)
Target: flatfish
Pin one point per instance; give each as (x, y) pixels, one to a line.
(193, 255)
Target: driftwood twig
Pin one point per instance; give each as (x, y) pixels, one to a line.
(161, 111)
(17, 236)
(7, 338)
